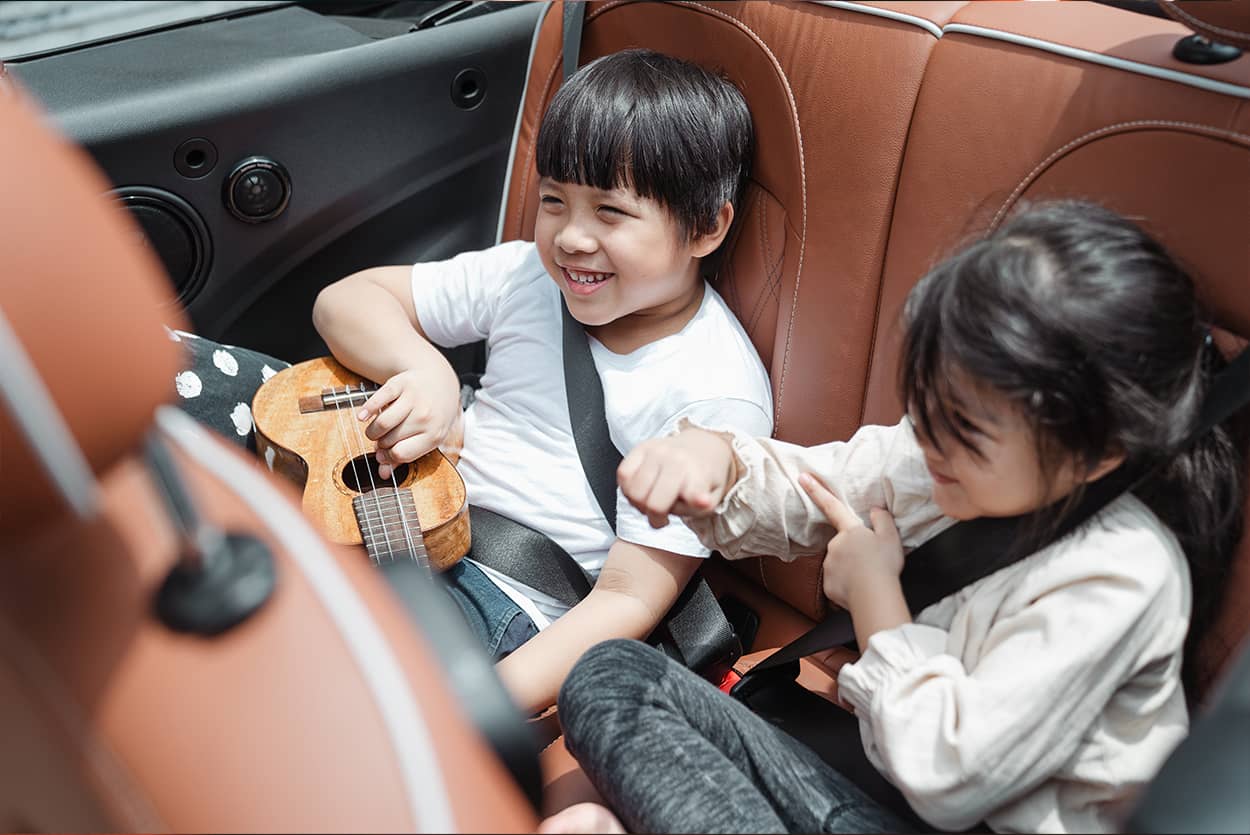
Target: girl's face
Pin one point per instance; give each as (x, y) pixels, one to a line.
(1006, 478)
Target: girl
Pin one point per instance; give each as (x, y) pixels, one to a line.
(1062, 346)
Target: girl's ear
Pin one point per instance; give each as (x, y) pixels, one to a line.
(1106, 465)
(706, 244)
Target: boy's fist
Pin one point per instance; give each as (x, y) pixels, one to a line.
(687, 474)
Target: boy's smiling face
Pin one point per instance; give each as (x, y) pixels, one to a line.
(626, 270)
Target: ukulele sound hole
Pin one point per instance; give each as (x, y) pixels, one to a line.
(361, 474)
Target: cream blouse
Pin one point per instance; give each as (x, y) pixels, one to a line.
(1037, 699)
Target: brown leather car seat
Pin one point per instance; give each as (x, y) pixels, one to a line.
(918, 125)
(322, 711)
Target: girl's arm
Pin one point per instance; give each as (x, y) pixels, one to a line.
(635, 589)
(760, 508)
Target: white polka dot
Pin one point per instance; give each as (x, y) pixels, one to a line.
(188, 384)
(242, 417)
(266, 372)
(225, 362)
(270, 455)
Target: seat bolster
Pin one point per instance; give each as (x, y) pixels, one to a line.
(85, 304)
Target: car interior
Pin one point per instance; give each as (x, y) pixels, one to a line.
(331, 695)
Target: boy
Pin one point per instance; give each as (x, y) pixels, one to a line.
(642, 158)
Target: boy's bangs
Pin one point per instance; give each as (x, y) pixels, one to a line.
(592, 146)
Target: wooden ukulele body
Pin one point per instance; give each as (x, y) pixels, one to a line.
(326, 450)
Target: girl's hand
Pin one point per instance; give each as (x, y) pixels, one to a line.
(412, 414)
(582, 817)
(857, 554)
(686, 474)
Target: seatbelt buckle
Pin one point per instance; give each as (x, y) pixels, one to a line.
(757, 679)
(728, 680)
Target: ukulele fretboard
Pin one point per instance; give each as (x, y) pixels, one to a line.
(388, 523)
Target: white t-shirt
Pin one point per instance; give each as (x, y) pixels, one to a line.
(519, 457)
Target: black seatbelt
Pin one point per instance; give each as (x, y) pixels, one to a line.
(574, 17)
(698, 633)
(967, 551)
(522, 553)
(584, 392)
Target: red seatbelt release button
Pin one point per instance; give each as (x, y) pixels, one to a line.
(730, 678)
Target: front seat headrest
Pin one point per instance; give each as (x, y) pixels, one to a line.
(85, 304)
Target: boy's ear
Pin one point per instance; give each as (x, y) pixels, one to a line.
(706, 244)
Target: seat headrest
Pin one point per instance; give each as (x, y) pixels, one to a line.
(1226, 21)
(85, 300)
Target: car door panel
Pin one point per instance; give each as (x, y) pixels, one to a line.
(385, 164)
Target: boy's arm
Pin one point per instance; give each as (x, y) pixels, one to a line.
(635, 589)
(370, 325)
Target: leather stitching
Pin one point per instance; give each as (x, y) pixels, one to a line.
(794, 113)
(1200, 25)
(1108, 130)
(771, 288)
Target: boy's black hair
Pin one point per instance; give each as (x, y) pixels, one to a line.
(669, 129)
(1094, 333)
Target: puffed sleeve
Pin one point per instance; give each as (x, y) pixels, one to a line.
(767, 513)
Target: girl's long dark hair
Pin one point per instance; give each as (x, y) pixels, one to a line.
(1088, 326)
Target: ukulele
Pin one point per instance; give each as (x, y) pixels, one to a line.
(307, 430)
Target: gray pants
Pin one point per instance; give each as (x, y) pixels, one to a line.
(671, 753)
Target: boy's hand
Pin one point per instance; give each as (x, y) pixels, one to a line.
(687, 474)
(412, 414)
(857, 556)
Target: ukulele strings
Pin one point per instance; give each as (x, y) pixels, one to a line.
(412, 548)
(355, 451)
(403, 514)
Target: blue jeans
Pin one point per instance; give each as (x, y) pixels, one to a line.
(498, 622)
